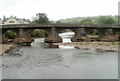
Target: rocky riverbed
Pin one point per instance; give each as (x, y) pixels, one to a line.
(38, 62)
(6, 48)
(99, 46)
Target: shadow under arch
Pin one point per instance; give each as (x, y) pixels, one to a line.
(8, 36)
(38, 33)
(93, 34)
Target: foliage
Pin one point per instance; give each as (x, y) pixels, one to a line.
(86, 21)
(94, 33)
(106, 20)
(41, 18)
(51, 21)
(66, 30)
(91, 20)
(109, 21)
(10, 34)
(58, 22)
(70, 20)
(117, 33)
(38, 33)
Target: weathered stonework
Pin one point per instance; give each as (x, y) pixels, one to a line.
(53, 36)
(80, 35)
(23, 36)
(106, 33)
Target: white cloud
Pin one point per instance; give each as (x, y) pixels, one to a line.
(58, 9)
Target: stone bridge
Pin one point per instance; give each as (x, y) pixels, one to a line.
(105, 32)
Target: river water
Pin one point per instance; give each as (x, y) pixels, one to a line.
(40, 62)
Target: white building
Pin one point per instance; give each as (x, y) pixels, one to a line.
(14, 20)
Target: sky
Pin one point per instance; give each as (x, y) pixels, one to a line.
(58, 9)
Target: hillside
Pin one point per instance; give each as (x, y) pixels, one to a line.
(89, 19)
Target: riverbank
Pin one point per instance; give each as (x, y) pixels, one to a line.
(99, 46)
(6, 48)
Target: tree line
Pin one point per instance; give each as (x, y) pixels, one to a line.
(112, 20)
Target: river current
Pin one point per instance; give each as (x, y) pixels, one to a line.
(40, 62)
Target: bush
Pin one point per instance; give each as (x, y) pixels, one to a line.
(66, 30)
(117, 33)
(38, 33)
(10, 34)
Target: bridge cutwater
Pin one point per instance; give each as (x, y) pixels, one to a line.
(106, 33)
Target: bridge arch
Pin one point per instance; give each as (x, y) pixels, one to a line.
(10, 34)
(38, 33)
(92, 34)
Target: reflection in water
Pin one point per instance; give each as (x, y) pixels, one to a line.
(66, 47)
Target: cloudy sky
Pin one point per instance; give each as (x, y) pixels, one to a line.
(58, 9)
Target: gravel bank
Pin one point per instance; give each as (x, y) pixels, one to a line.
(100, 46)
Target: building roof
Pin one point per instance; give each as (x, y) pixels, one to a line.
(22, 21)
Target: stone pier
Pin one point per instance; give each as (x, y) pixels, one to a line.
(80, 35)
(23, 37)
(0, 35)
(107, 35)
(53, 36)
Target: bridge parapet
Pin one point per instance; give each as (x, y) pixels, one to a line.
(59, 25)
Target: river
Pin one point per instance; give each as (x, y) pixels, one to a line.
(40, 62)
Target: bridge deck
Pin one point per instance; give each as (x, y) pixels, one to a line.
(58, 26)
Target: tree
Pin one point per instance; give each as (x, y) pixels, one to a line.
(38, 33)
(58, 22)
(41, 18)
(106, 20)
(86, 21)
(109, 21)
(101, 20)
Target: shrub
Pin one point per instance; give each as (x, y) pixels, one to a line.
(10, 34)
(38, 33)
